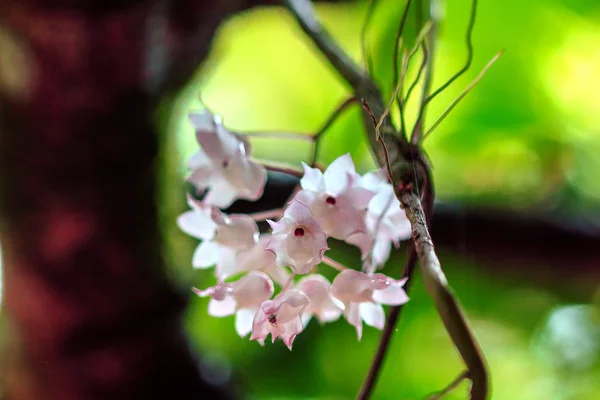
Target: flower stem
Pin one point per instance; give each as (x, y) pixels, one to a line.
(269, 214)
(333, 264)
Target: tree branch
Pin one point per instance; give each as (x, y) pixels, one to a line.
(437, 286)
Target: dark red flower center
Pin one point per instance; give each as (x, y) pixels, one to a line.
(299, 232)
(272, 319)
(331, 200)
(225, 163)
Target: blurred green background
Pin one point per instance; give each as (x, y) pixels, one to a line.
(526, 139)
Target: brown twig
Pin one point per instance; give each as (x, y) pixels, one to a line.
(450, 387)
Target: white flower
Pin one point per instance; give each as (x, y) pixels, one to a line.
(258, 258)
(322, 304)
(281, 317)
(241, 298)
(222, 164)
(223, 237)
(363, 296)
(386, 222)
(334, 197)
(297, 239)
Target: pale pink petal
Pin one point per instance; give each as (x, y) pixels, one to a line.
(227, 263)
(260, 327)
(202, 178)
(312, 179)
(277, 273)
(353, 317)
(206, 255)
(381, 251)
(306, 197)
(252, 289)
(259, 259)
(276, 245)
(401, 225)
(360, 197)
(393, 295)
(298, 212)
(222, 308)
(363, 241)
(221, 194)
(384, 200)
(199, 160)
(243, 321)
(372, 314)
(236, 231)
(340, 218)
(196, 224)
(317, 288)
(203, 120)
(248, 177)
(290, 331)
(351, 286)
(337, 174)
(373, 180)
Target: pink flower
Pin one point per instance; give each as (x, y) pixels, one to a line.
(281, 317)
(334, 197)
(258, 258)
(223, 236)
(322, 304)
(222, 164)
(386, 221)
(241, 298)
(297, 239)
(363, 296)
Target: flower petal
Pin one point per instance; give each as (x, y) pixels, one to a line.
(352, 315)
(336, 175)
(206, 255)
(222, 194)
(196, 224)
(227, 264)
(312, 179)
(351, 286)
(222, 308)
(372, 314)
(393, 295)
(252, 289)
(243, 321)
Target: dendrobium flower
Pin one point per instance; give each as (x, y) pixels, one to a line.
(334, 197)
(222, 164)
(297, 240)
(322, 304)
(363, 296)
(223, 236)
(281, 317)
(242, 298)
(386, 221)
(258, 258)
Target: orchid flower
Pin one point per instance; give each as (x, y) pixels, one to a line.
(242, 298)
(363, 296)
(222, 164)
(257, 258)
(385, 220)
(322, 304)
(334, 197)
(223, 236)
(281, 317)
(298, 241)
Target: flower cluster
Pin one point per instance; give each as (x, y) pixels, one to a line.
(336, 203)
